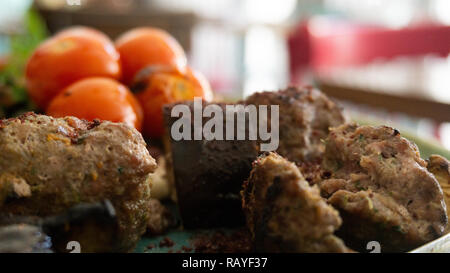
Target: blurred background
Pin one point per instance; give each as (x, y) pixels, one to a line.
(383, 60)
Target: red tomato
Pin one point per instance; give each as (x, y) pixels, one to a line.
(142, 47)
(156, 86)
(98, 98)
(69, 56)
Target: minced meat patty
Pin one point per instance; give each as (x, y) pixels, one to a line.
(47, 165)
(440, 168)
(306, 114)
(381, 186)
(284, 213)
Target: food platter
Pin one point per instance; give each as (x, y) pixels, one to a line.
(301, 178)
(441, 245)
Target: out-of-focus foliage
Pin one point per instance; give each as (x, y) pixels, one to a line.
(13, 95)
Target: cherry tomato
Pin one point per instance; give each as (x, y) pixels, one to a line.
(142, 47)
(98, 98)
(159, 85)
(69, 56)
(201, 83)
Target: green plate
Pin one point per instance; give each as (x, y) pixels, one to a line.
(179, 237)
(182, 237)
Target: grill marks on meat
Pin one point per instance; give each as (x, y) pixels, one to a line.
(382, 188)
(284, 213)
(306, 114)
(66, 161)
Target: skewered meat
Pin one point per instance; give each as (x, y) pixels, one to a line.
(284, 213)
(48, 165)
(440, 167)
(381, 187)
(306, 114)
(208, 175)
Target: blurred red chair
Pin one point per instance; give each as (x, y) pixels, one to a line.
(321, 44)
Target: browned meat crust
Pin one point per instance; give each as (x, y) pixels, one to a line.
(382, 189)
(306, 115)
(440, 167)
(48, 165)
(284, 213)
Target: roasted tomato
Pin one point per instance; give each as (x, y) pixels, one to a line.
(69, 56)
(142, 47)
(98, 98)
(158, 85)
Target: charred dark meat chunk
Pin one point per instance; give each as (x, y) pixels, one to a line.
(208, 175)
(306, 115)
(48, 165)
(381, 187)
(284, 213)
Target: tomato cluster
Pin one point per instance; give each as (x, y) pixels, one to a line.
(81, 72)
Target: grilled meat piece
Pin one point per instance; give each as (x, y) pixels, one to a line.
(440, 167)
(382, 189)
(208, 175)
(306, 115)
(48, 165)
(284, 213)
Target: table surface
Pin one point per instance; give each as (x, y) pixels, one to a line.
(412, 103)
